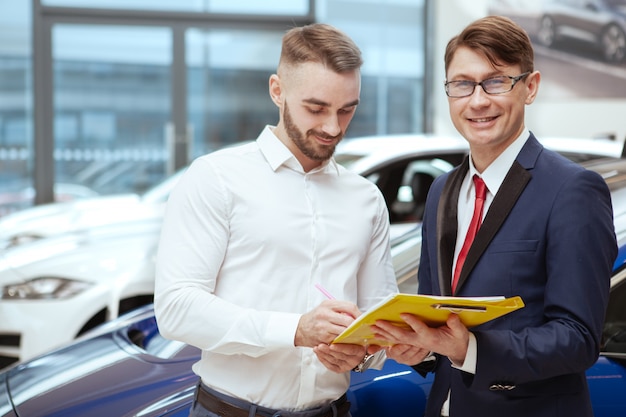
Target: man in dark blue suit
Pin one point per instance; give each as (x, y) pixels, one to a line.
(547, 235)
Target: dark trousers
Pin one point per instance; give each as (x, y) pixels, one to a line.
(210, 403)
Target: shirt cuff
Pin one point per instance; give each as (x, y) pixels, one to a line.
(281, 329)
(469, 364)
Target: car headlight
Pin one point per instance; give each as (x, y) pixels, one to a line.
(44, 288)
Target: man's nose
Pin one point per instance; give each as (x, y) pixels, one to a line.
(479, 96)
(331, 125)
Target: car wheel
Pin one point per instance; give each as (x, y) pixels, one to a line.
(547, 32)
(613, 42)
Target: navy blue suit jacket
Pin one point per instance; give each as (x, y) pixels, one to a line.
(548, 237)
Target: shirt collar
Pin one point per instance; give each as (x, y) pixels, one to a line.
(277, 154)
(496, 172)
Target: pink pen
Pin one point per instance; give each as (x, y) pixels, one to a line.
(324, 291)
(329, 296)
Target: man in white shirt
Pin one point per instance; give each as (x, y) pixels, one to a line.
(249, 233)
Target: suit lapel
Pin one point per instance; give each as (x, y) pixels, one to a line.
(503, 202)
(447, 220)
(447, 226)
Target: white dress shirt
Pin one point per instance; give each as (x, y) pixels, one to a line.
(246, 236)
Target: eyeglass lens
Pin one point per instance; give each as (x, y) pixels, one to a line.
(495, 85)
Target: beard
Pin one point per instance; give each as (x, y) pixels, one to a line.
(308, 146)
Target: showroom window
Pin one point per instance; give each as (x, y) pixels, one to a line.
(274, 7)
(127, 92)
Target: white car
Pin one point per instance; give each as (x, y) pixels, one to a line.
(54, 219)
(57, 288)
(67, 267)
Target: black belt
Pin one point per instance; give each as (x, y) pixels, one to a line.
(221, 407)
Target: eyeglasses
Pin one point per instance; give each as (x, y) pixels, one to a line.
(496, 85)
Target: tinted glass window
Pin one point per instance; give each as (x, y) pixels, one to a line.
(214, 6)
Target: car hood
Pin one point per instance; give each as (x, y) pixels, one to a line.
(107, 373)
(55, 219)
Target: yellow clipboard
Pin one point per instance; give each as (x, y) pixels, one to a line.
(433, 310)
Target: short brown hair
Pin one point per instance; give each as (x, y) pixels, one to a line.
(499, 39)
(323, 44)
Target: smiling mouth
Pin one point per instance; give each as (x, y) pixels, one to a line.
(326, 139)
(483, 119)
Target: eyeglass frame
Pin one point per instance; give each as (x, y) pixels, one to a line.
(481, 84)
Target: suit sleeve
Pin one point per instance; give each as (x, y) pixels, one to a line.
(578, 252)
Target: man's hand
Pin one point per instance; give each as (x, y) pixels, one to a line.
(406, 354)
(450, 340)
(339, 357)
(322, 324)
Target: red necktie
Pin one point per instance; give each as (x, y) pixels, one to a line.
(477, 218)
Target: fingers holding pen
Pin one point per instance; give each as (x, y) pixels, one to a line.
(325, 322)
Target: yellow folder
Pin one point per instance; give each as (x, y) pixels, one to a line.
(433, 310)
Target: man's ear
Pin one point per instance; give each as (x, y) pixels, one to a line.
(534, 79)
(276, 90)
